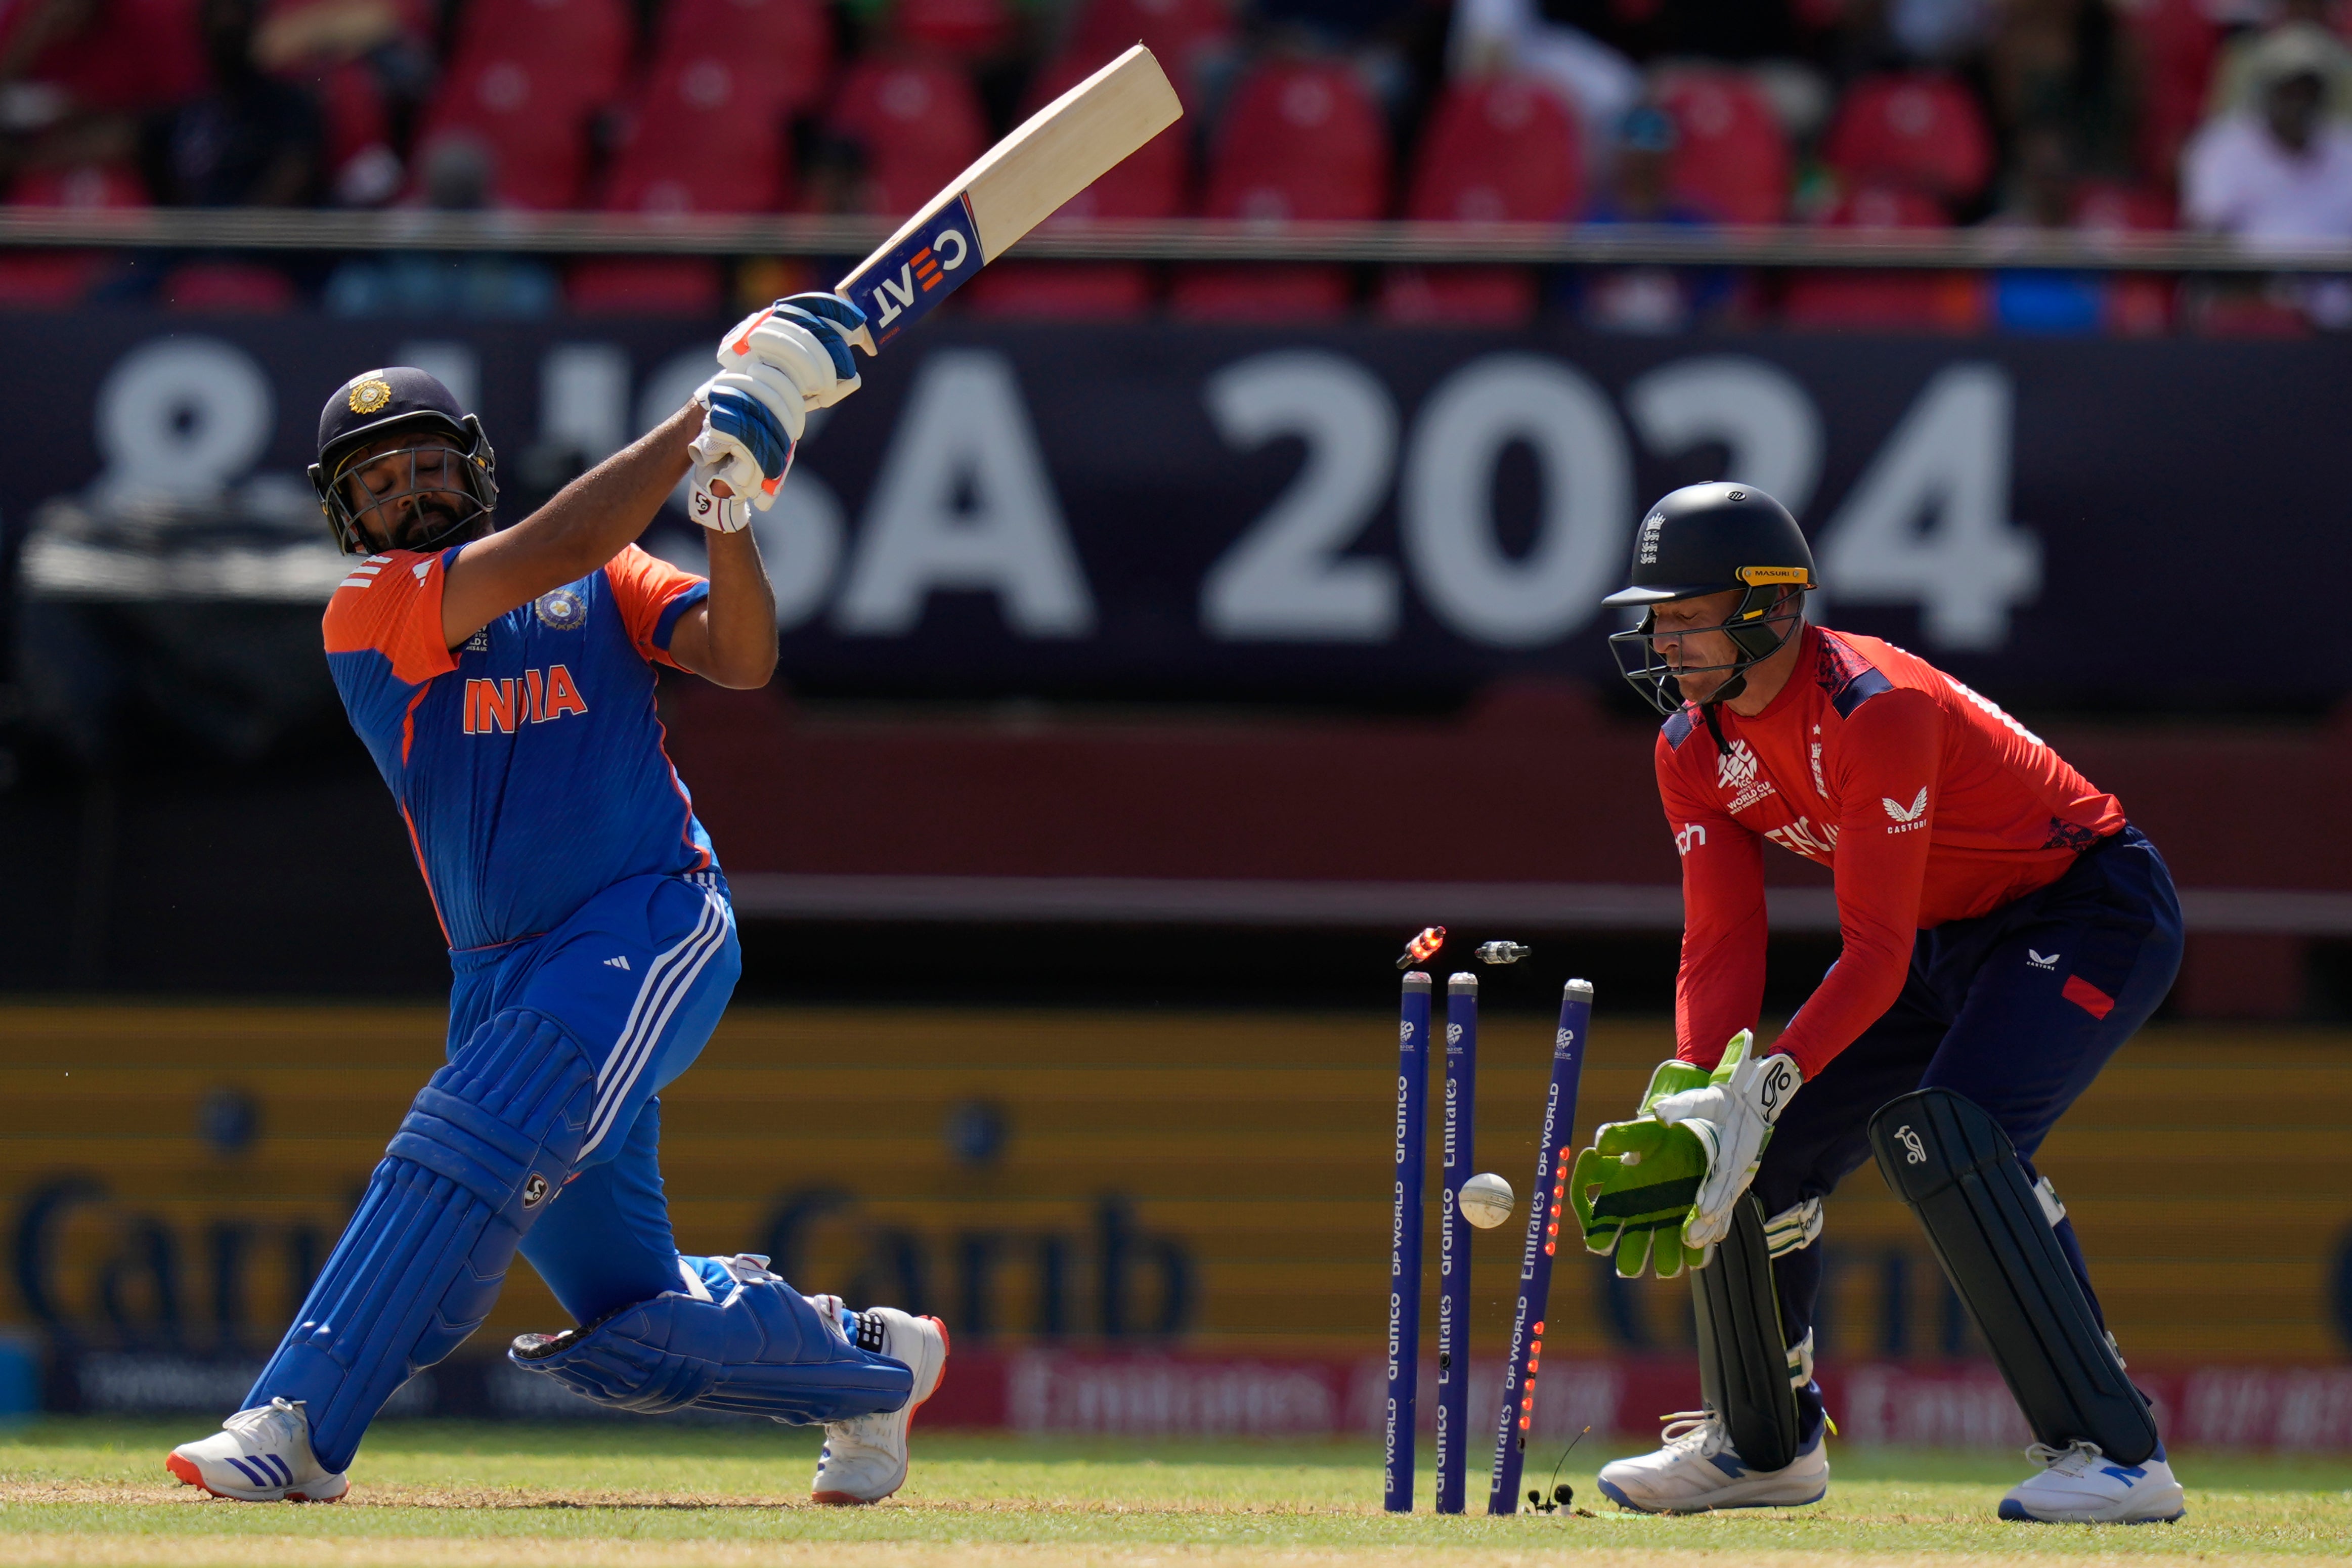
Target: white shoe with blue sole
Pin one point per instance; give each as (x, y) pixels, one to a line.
(2080, 1485)
(1696, 1472)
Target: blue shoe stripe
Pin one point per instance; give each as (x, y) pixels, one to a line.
(1616, 1494)
(252, 1473)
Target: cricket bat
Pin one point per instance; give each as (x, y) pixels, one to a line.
(1018, 183)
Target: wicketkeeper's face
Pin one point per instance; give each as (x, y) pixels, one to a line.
(1688, 634)
(407, 488)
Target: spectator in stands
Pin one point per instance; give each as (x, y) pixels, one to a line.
(1515, 34)
(252, 139)
(2281, 172)
(2234, 87)
(2045, 189)
(1646, 298)
(425, 284)
(2066, 63)
(373, 68)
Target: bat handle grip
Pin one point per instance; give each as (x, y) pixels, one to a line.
(862, 337)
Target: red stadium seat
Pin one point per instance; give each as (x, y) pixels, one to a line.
(1180, 32)
(963, 29)
(1886, 302)
(90, 185)
(531, 119)
(791, 41)
(1149, 184)
(524, 80)
(919, 125)
(1501, 149)
(590, 41)
(1917, 129)
(1302, 140)
(88, 61)
(51, 279)
(1731, 157)
(358, 123)
(707, 136)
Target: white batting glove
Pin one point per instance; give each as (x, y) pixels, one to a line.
(1733, 1117)
(775, 366)
(805, 339)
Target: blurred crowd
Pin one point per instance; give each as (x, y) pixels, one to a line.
(2230, 116)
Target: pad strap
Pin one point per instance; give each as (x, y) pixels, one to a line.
(764, 1350)
(1794, 1229)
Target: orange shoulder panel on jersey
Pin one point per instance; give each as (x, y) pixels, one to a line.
(390, 605)
(643, 587)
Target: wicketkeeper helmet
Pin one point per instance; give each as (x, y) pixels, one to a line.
(1708, 539)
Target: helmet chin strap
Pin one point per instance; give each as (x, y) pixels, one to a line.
(1714, 725)
(1744, 638)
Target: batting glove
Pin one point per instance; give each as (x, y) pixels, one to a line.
(775, 366)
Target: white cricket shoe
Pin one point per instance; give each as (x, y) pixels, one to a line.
(2080, 1485)
(865, 1459)
(262, 1455)
(1697, 1471)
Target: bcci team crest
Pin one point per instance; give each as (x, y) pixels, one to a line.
(370, 395)
(563, 610)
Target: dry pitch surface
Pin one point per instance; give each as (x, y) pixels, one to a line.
(86, 1491)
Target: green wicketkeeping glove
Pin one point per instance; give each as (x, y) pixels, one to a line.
(1632, 1189)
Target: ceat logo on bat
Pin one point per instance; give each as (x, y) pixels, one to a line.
(904, 285)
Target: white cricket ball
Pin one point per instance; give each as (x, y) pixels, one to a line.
(1486, 1200)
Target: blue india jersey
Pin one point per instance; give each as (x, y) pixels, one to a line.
(527, 763)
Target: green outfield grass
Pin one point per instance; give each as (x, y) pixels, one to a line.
(92, 1492)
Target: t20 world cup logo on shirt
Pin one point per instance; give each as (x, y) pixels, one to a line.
(1735, 771)
(1737, 768)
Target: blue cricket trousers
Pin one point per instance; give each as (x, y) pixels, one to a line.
(641, 973)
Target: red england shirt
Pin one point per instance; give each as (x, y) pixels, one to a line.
(1927, 801)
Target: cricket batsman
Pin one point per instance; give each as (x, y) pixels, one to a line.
(2005, 930)
(503, 679)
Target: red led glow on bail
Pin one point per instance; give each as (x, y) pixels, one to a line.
(1423, 948)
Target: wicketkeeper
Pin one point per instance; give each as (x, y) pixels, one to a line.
(2005, 930)
(503, 679)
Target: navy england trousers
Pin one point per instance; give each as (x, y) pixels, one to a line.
(2018, 1010)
